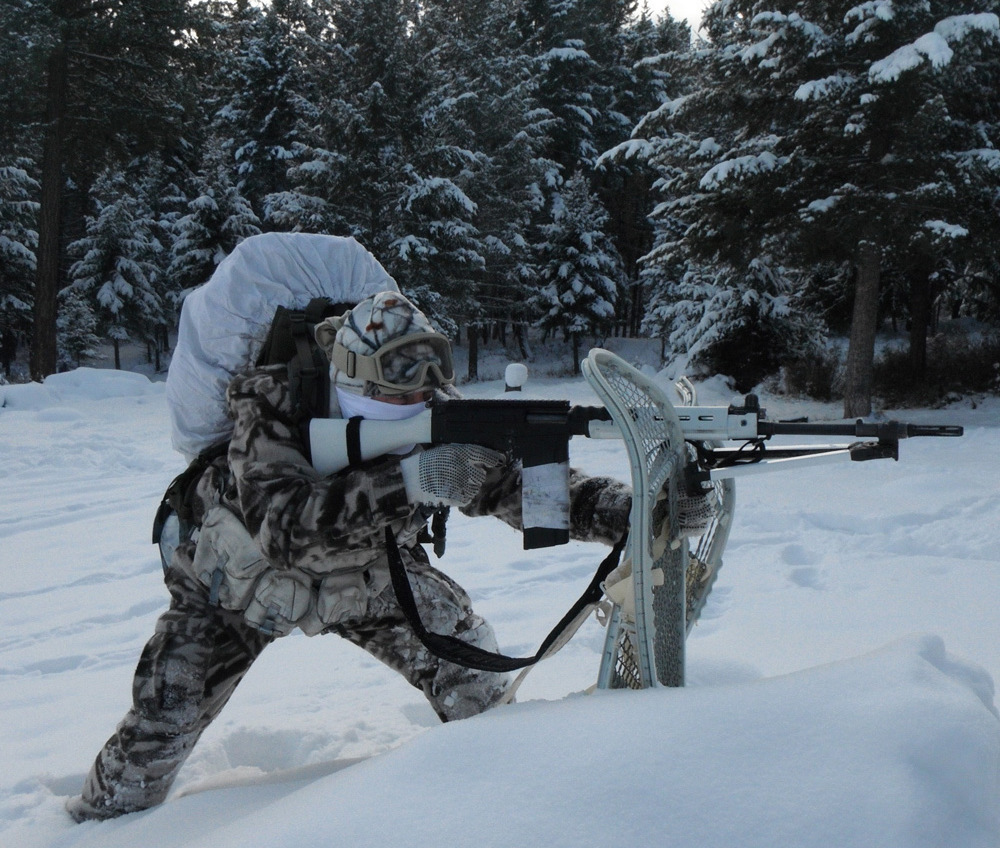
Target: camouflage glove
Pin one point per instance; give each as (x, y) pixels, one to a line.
(447, 475)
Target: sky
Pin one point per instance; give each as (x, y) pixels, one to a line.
(689, 10)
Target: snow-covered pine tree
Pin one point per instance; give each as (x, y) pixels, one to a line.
(78, 328)
(18, 242)
(746, 328)
(480, 131)
(577, 52)
(438, 249)
(350, 169)
(268, 77)
(440, 254)
(218, 219)
(157, 181)
(116, 269)
(585, 79)
(650, 70)
(900, 175)
(105, 77)
(804, 143)
(580, 270)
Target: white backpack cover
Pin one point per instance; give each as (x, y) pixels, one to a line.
(224, 322)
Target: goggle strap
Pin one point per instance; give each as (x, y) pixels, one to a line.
(354, 365)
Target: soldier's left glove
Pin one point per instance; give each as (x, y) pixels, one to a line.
(448, 475)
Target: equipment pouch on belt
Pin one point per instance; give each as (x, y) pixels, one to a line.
(281, 601)
(227, 560)
(229, 563)
(342, 596)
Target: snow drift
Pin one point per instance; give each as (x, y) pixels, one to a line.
(813, 716)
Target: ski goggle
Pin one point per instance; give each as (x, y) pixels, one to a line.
(404, 365)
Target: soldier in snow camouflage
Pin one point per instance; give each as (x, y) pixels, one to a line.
(314, 553)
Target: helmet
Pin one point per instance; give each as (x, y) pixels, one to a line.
(386, 346)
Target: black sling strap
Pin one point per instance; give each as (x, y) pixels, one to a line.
(471, 656)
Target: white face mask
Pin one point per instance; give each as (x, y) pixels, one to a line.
(352, 405)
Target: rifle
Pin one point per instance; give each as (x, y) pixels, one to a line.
(537, 432)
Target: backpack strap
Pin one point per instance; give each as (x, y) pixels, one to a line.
(307, 371)
(290, 342)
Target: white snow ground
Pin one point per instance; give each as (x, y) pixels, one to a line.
(840, 681)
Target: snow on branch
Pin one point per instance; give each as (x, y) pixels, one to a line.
(741, 166)
(664, 112)
(933, 46)
(572, 52)
(818, 89)
(957, 27)
(878, 9)
(943, 229)
(633, 148)
(783, 25)
(986, 156)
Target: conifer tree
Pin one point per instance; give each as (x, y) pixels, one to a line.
(580, 269)
(116, 270)
(577, 53)
(78, 328)
(18, 242)
(480, 135)
(160, 182)
(831, 133)
(106, 74)
(218, 219)
(654, 56)
(350, 168)
(267, 74)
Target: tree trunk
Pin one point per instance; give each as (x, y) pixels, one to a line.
(920, 318)
(473, 334)
(43, 337)
(519, 338)
(118, 354)
(576, 353)
(636, 325)
(864, 322)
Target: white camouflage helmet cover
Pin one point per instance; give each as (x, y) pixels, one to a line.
(367, 328)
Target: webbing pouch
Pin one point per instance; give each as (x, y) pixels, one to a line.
(227, 560)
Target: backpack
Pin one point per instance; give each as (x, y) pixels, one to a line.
(225, 323)
(259, 308)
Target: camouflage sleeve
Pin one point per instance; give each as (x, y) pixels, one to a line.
(598, 506)
(296, 515)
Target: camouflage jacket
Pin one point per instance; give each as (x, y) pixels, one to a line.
(321, 525)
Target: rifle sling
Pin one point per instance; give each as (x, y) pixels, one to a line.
(471, 656)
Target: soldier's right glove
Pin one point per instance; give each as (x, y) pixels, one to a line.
(448, 475)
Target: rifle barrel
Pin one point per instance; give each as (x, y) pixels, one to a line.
(883, 430)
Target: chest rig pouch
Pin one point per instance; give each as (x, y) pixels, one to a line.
(238, 577)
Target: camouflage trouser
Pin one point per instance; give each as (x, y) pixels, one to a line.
(199, 654)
